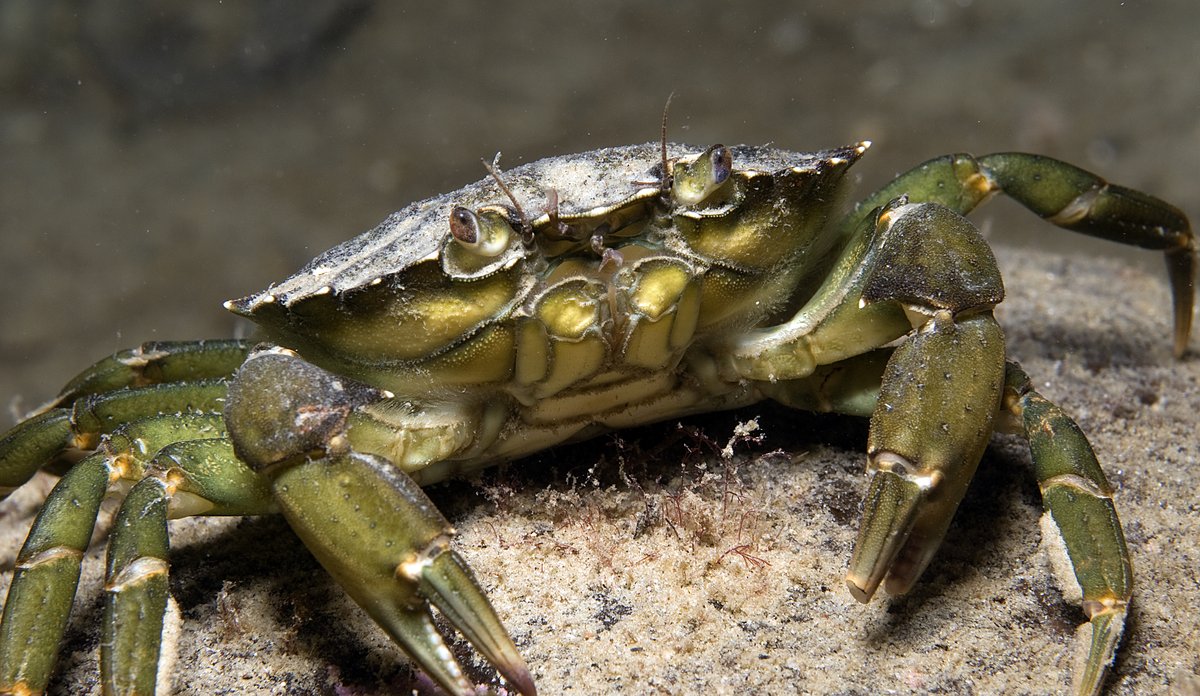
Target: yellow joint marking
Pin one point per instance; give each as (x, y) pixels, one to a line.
(1010, 401)
(18, 689)
(1079, 483)
(142, 569)
(1104, 605)
(170, 478)
(50, 555)
(85, 441)
(980, 183)
(414, 565)
(119, 467)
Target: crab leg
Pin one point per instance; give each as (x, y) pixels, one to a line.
(64, 431)
(136, 590)
(849, 387)
(43, 587)
(46, 576)
(940, 393)
(156, 362)
(1081, 515)
(378, 534)
(836, 324)
(184, 478)
(366, 520)
(1065, 195)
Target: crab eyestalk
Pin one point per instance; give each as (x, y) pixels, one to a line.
(694, 181)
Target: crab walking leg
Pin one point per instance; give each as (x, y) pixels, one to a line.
(43, 587)
(62, 431)
(1080, 513)
(835, 324)
(939, 396)
(31, 445)
(46, 576)
(184, 478)
(378, 534)
(1066, 196)
(135, 601)
(156, 362)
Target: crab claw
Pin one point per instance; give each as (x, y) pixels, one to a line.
(383, 540)
(365, 520)
(449, 584)
(931, 424)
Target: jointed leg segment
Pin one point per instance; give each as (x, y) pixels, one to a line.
(361, 514)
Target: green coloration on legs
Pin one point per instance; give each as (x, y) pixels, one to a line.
(378, 534)
(154, 363)
(78, 428)
(40, 598)
(206, 478)
(1078, 501)
(850, 387)
(938, 398)
(102, 413)
(136, 591)
(1065, 195)
(1079, 200)
(30, 445)
(47, 574)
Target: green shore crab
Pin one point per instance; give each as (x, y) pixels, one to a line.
(550, 303)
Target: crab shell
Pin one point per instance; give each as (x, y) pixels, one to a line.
(385, 306)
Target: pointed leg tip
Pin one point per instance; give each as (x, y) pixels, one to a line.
(862, 591)
(1106, 629)
(1181, 345)
(515, 672)
(522, 681)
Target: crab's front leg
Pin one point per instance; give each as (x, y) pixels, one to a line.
(936, 399)
(936, 410)
(366, 520)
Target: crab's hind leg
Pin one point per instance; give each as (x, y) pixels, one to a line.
(362, 516)
(184, 478)
(47, 574)
(156, 362)
(153, 378)
(1064, 195)
(1080, 514)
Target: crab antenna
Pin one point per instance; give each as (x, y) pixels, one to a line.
(494, 170)
(663, 140)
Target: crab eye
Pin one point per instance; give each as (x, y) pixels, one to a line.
(696, 180)
(464, 226)
(721, 161)
(485, 234)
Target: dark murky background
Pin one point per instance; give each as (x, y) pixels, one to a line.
(158, 159)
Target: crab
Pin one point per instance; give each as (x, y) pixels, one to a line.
(550, 303)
